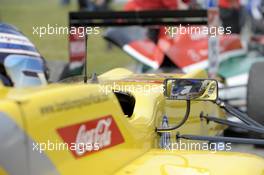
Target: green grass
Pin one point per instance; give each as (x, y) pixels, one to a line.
(26, 14)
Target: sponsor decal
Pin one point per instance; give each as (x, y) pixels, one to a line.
(102, 133)
(73, 104)
(77, 46)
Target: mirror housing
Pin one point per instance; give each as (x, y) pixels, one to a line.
(191, 89)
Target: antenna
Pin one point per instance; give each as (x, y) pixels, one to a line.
(85, 77)
(94, 79)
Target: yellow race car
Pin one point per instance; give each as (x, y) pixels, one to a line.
(119, 123)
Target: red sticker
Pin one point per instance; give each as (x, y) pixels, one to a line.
(77, 46)
(91, 136)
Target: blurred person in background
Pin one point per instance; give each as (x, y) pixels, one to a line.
(94, 5)
(256, 11)
(230, 11)
(140, 5)
(90, 5)
(137, 5)
(65, 2)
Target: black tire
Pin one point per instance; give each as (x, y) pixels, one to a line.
(255, 92)
(255, 96)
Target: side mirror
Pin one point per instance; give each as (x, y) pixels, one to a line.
(191, 89)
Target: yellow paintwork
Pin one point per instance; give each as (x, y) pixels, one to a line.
(140, 139)
(2, 171)
(160, 162)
